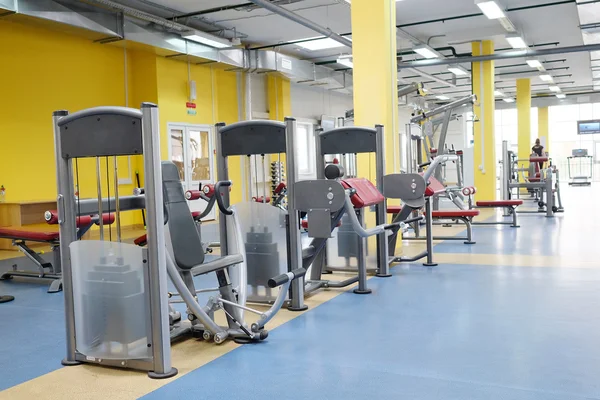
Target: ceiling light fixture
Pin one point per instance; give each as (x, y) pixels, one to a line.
(546, 77)
(314, 44)
(555, 89)
(458, 70)
(533, 63)
(561, 96)
(498, 93)
(345, 61)
(491, 9)
(442, 97)
(516, 41)
(426, 51)
(206, 38)
(508, 100)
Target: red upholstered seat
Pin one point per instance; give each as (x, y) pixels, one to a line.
(366, 193)
(534, 179)
(454, 213)
(18, 234)
(196, 214)
(499, 203)
(141, 240)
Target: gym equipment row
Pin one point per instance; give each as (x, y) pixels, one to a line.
(542, 183)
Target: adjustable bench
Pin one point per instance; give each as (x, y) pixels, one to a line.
(46, 270)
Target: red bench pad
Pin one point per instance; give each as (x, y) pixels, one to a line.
(141, 240)
(18, 234)
(366, 193)
(499, 203)
(454, 213)
(434, 187)
(394, 209)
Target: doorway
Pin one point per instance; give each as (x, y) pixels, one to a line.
(191, 149)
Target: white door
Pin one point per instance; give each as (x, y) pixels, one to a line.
(191, 149)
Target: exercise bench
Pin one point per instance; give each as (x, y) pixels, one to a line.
(46, 270)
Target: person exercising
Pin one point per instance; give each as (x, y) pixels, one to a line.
(538, 149)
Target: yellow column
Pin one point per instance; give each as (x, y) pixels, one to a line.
(484, 138)
(543, 130)
(524, 115)
(280, 103)
(375, 74)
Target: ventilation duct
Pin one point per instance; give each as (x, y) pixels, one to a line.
(143, 30)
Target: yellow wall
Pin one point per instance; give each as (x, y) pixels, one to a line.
(211, 84)
(43, 71)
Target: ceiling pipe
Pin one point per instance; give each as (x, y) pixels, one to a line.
(429, 76)
(501, 56)
(408, 89)
(303, 21)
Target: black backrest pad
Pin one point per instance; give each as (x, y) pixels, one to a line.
(252, 137)
(185, 237)
(348, 140)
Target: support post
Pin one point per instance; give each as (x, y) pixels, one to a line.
(484, 146)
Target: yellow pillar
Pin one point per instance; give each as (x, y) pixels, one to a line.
(375, 74)
(524, 116)
(280, 103)
(484, 138)
(543, 129)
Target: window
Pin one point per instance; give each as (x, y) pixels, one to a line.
(305, 151)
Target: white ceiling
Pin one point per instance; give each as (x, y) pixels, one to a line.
(552, 24)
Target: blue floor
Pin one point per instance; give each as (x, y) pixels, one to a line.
(457, 332)
(450, 332)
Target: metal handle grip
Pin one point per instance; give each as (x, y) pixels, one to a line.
(285, 278)
(220, 203)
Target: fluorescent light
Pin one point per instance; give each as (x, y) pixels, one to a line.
(516, 42)
(206, 38)
(319, 44)
(490, 8)
(346, 62)
(555, 89)
(546, 77)
(458, 70)
(561, 96)
(509, 100)
(442, 97)
(533, 63)
(498, 93)
(426, 51)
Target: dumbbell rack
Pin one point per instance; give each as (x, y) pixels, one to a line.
(277, 176)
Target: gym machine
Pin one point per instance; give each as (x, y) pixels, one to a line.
(580, 161)
(419, 141)
(116, 305)
(544, 187)
(116, 300)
